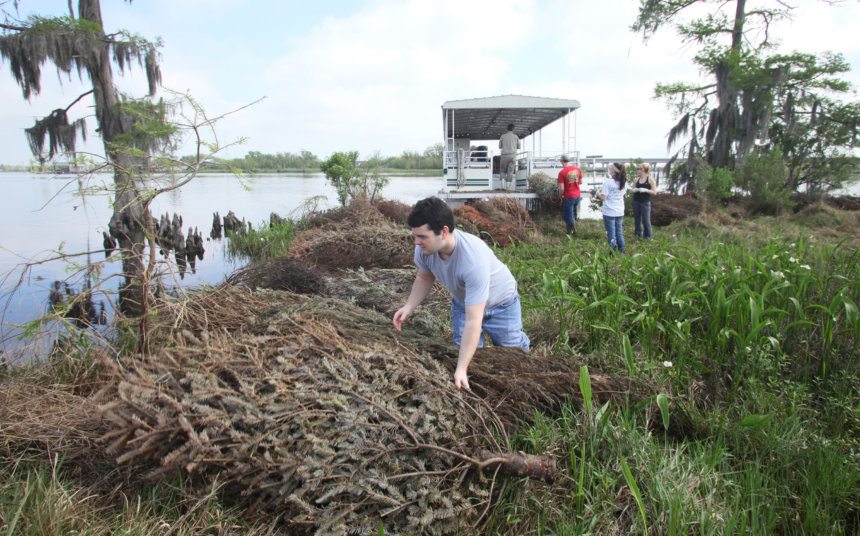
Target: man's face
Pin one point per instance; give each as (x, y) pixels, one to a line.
(427, 240)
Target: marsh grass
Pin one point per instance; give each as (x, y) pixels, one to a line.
(752, 330)
(265, 241)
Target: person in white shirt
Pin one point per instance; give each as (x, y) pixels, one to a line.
(612, 196)
(509, 143)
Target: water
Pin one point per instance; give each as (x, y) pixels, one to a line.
(41, 215)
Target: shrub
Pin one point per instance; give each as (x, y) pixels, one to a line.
(719, 183)
(351, 183)
(763, 176)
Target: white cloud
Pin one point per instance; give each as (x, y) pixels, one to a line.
(376, 80)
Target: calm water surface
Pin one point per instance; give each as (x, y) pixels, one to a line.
(41, 214)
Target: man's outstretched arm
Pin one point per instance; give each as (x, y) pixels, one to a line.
(420, 289)
(469, 343)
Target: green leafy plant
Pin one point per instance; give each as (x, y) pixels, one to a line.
(352, 182)
(634, 489)
(764, 175)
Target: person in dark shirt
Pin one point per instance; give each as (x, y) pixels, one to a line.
(644, 187)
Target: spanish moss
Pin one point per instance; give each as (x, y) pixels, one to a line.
(72, 44)
(61, 134)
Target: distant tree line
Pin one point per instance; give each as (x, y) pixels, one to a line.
(256, 161)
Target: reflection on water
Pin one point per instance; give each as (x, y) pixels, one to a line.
(44, 219)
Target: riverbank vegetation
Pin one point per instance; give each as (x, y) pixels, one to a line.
(743, 331)
(429, 160)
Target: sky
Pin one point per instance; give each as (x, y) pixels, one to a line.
(371, 75)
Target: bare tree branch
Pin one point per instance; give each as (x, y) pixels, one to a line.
(78, 99)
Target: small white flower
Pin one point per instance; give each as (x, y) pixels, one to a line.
(673, 235)
(805, 266)
(792, 259)
(778, 274)
(748, 349)
(667, 364)
(792, 244)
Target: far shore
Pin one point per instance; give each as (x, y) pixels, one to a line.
(385, 171)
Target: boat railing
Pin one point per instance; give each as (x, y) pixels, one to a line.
(471, 159)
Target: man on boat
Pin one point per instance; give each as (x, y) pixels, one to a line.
(485, 297)
(509, 143)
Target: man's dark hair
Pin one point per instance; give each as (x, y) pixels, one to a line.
(434, 212)
(511, 127)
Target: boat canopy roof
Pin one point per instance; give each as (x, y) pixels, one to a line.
(488, 118)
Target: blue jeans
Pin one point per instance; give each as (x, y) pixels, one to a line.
(642, 212)
(503, 323)
(569, 207)
(612, 224)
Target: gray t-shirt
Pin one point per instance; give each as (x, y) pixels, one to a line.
(473, 273)
(509, 143)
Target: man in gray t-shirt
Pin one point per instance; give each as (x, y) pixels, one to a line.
(509, 144)
(485, 297)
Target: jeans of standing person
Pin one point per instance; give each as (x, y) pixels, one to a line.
(503, 323)
(612, 224)
(569, 207)
(507, 167)
(642, 213)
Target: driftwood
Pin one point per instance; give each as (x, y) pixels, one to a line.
(519, 465)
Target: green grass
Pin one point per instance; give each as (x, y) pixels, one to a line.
(264, 242)
(762, 332)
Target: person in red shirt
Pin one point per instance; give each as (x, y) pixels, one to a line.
(569, 180)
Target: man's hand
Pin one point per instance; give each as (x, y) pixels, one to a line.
(420, 289)
(400, 317)
(461, 379)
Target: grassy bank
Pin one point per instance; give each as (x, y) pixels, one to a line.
(752, 330)
(749, 328)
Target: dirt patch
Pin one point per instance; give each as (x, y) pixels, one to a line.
(667, 208)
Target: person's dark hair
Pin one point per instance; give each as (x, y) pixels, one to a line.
(621, 177)
(511, 127)
(434, 212)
